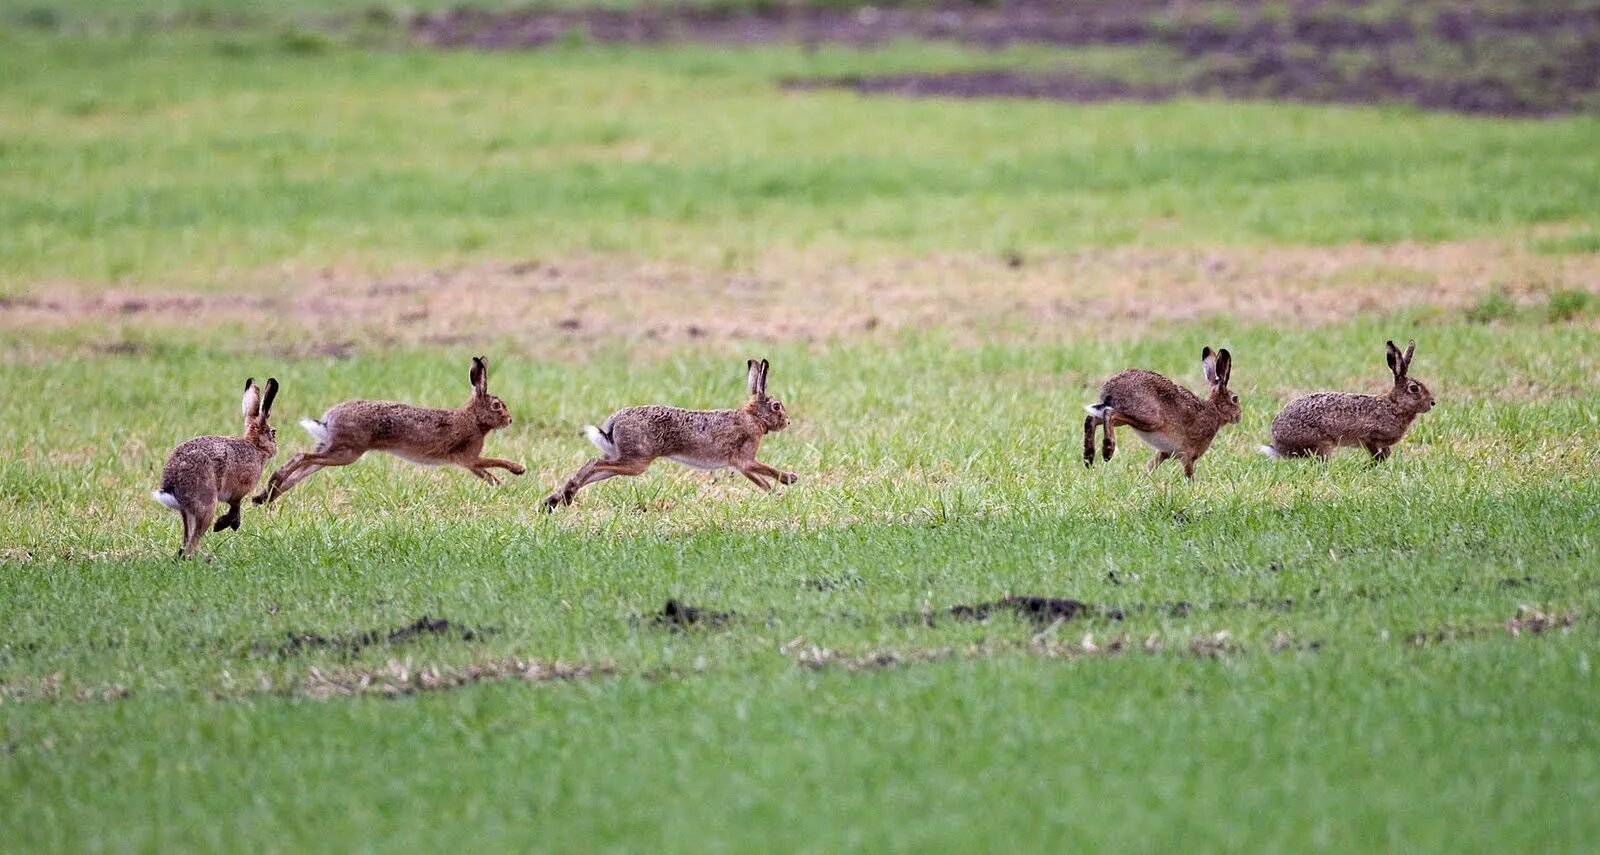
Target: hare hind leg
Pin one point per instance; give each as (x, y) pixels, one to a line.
(597, 469)
(198, 515)
(303, 466)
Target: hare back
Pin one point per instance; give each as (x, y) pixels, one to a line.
(222, 468)
(1338, 417)
(711, 438)
(1148, 398)
(409, 431)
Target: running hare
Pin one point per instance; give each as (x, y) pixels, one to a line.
(1323, 421)
(429, 437)
(704, 439)
(1168, 417)
(210, 469)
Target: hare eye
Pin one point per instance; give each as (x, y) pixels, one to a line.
(1236, 399)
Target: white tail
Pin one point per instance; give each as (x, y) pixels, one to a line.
(1098, 410)
(606, 446)
(318, 430)
(1269, 451)
(166, 498)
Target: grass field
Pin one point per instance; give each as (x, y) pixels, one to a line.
(1277, 656)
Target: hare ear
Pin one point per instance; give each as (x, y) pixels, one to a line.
(480, 375)
(764, 367)
(1411, 350)
(252, 399)
(1208, 364)
(272, 393)
(1224, 367)
(1397, 365)
(753, 376)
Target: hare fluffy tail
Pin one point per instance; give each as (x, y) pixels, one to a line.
(1099, 410)
(601, 441)
(1269, 451)
(318, 430)
(167, 499)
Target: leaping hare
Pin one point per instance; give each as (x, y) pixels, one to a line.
(1168, 417)
(420, 435)
(1321, 422)
(209, 469)
(633, 438)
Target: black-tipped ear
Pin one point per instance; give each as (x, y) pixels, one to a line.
(272, 392)
(753, 376)
(1208, 364)
(250, 381)
(764, 367)
(1397, 367)
(479, 375)
(1224, 366)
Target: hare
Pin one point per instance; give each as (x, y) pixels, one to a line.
(428, 437)
(633, 438)
(1168, 417)
(1323, 421)
(209, 469)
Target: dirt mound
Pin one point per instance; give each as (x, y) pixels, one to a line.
(352, 645)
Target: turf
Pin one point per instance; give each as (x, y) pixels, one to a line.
(1277, 656)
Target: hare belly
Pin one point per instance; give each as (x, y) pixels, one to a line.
(696, 463)
(1157, 441)
(415, 457)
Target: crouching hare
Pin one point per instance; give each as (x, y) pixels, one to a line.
(633, 438)
(1323, 421)
(211, 469)
(420, 435)
(1169, 418)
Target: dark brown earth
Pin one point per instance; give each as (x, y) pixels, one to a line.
(1473, 56)
(352, 645)
(678, 616)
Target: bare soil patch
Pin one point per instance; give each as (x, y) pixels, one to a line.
(578, 306)
(352, 645)
(1477, 56)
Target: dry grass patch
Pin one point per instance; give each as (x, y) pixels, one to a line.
(577, 304)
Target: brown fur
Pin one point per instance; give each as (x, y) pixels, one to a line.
(706, 439)
(1169, 418)
(1323, 421)
(427, 436)
(211, 469)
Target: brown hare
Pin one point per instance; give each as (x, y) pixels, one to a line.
(417, 434)
(210, 469)
(1168, 417)
(1323, 421)
(633, 438)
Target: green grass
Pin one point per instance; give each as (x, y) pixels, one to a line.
(195, 163)
(939, 466)
(931, 476)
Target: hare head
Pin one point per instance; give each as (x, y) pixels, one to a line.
(257, 407)
(767, 410)
(491, 412)
(1218, 367)
(1410, 395)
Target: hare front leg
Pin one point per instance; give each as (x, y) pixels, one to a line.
(785, 478)
(754, 474)
(1378, 451)
(1160, 458)
(511, 466)
(229, 519)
